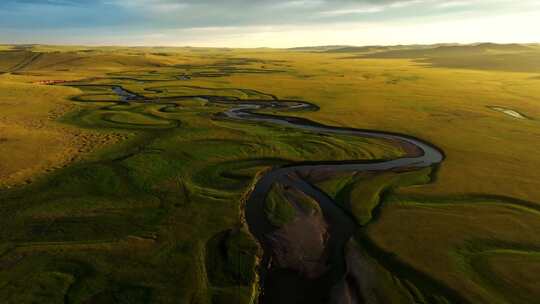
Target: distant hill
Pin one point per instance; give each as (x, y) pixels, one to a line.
(412, 49)
(364, 49)
(321, 48)
(379, 48)
(450, 50)
(23, 59)
(483, 56)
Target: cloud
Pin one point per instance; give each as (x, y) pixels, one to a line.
(204, 13)
(14, 3)
(150, 19)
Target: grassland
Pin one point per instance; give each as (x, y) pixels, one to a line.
(149, 209)
(32, 141)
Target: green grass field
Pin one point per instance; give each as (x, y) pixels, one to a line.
(108, 201)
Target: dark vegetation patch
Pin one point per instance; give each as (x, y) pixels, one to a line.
(230, 259)
(123, 294)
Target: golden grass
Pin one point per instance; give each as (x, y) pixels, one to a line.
(511, 273)
(441, 239)
(31, 142)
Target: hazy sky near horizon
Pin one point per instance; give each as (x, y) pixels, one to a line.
(271, 23)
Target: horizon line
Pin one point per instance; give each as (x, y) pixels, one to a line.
(268, 47)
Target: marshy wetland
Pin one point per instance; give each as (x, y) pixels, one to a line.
(161, 175)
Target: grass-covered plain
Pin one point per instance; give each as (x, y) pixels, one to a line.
(150, 208)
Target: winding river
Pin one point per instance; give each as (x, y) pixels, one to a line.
(275, 282)
(419, 155)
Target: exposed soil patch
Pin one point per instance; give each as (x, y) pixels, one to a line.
(300, 245)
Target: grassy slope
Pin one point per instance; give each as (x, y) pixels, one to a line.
(193, 191)
(455, 239)
(27, 129)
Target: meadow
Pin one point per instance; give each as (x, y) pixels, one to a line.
(122, 182)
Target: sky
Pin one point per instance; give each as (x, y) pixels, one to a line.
(268, 23)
